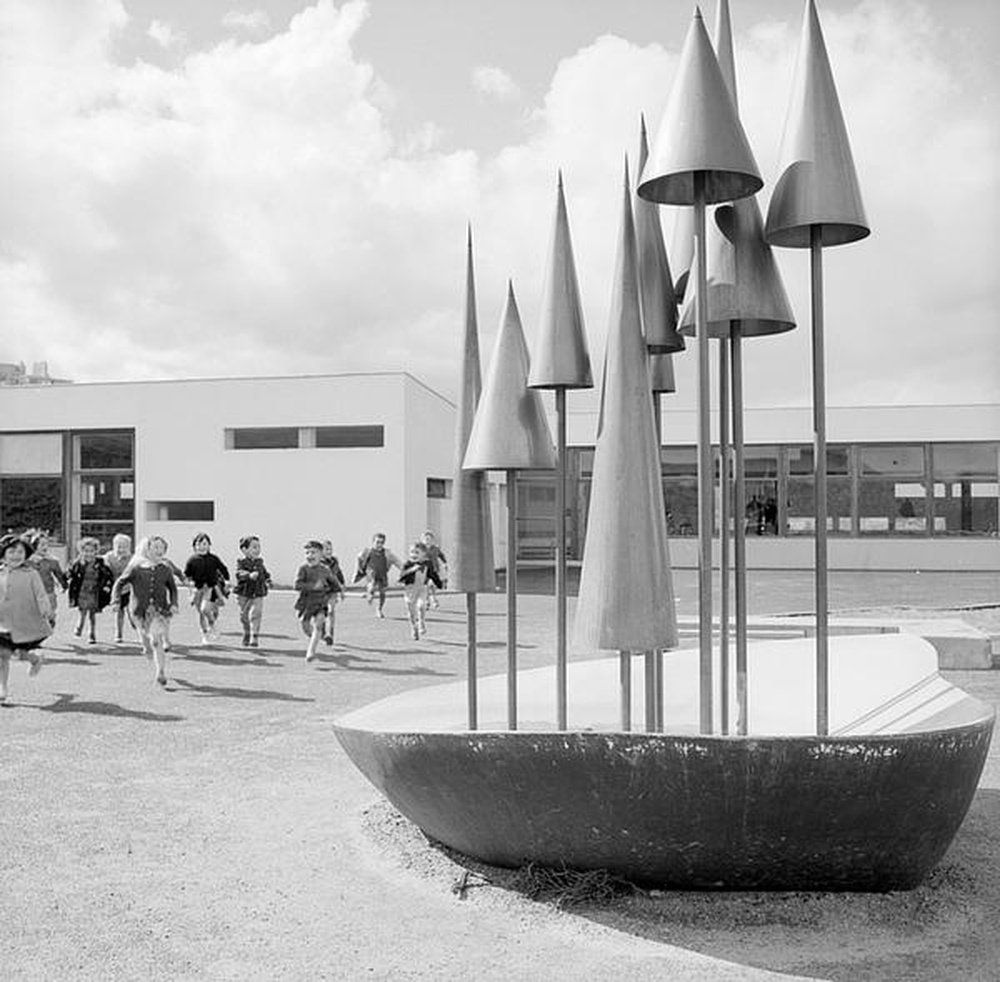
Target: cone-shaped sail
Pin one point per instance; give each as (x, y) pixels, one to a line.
(661, 373)
(471, 568)
(700, 132)
(656, 287)
(510, 431)
(817, 183)
(560, 359)
(744, 283)
(626, 598)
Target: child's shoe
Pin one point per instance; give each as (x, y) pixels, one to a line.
(310, 655)
(36, 664)
(119, 639)
(328, 639)
(254, 643)
(77, 631)
(92, 640)
(246, 640)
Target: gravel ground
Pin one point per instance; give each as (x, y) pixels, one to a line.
(216, 830)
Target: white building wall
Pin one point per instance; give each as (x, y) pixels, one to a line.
(285, 496)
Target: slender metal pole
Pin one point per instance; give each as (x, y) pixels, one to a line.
(725, 492)
(739, 529)
(625, 686)
(561, 559)
(512, 599)
(819, 470)
(658, 655)
(470, 661)
(705, 477)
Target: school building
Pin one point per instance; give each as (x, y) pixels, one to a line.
(343, 456)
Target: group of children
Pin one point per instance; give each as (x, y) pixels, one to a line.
(142, 588)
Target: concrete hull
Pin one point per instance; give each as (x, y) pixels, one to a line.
(775, 812)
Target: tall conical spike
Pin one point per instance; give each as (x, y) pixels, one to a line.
(817, 183)
(510, 431)
(471, 568)
(626, 598)
(560, 359)
(744, 282)
(724, 49)
(656, 287)
(700, 132)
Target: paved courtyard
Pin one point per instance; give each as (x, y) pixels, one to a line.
(216, 830)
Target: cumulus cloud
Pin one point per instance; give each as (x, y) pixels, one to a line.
(163, 34)
(251, 21)
(250, 209)
(494, 82)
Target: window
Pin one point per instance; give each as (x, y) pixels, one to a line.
(31, 502)
(31, 453)
(438, 487)
(679, 467)
(761, 490)
(891, 490)
(180, 511)
(350, 436)
(104, 451)
(965, 488)
(263, 438)
(800, 516)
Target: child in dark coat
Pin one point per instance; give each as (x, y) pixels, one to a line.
(317, 585)
(90, 581)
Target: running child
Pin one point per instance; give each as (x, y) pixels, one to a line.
(116, 559)
(252, 582)
(416, 576)
(331, 562)
(373, 566)
(25, 613)
(210, 578)
(316, 585)
(48, 567)
(440, 562)
(152, 590)
(90, 580)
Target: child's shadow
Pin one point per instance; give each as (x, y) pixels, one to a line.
(66, 703)
(231, 692)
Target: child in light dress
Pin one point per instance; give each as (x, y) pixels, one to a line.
(25, 612)
(417, 575)
(152, 590)
(116, 559)
(316, 585)
(90, 581)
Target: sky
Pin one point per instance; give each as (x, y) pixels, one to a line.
(202, 189)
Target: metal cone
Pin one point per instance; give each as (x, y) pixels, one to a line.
(817, 183)
(510, 431)
(661, 373)
(744, 283)
(560, 359)
(626, 598)
(471, 567)
(656, 287)
(700, 132)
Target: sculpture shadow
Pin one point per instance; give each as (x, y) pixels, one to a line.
(944, 928)
(66, 702)
(232, 692)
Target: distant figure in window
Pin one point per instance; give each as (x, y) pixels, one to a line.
(770, 517)
(90, 580)
(117, 558)
(48, 567)
(373, 566)
(149, 583)
(252, 583)
(25, 614)
(754, 516)
(330, 561)
(316, 585)
(439, 562)
(906, 508)
(210, 579)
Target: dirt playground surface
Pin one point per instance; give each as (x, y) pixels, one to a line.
(217, 831)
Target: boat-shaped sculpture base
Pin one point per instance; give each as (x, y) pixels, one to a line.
(873, 806)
